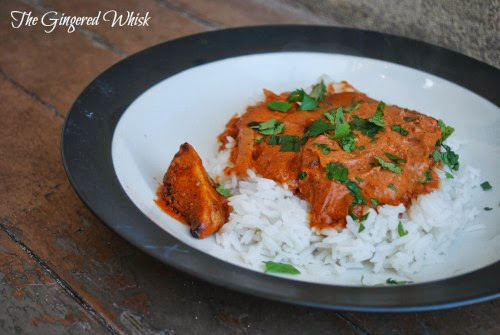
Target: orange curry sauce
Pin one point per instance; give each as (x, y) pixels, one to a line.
(331, 200)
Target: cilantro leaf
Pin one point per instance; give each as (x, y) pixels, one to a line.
(308, 103)
(361, 227)
(364, 217)
(337, 171)
(392, 187)
(354, 106)
(401, 230)
(323, 148)
(488, 208)
(359, 179)
(288, 143)
(397, 128)
(318, 127)
(279, 106)
(427, 176)
(297, 95)
(330, 116)
(378, 117)
(356, 192)
(394, 158)
(341, 126)
(275, 267)
(352, 215)
(302, 175)
(448, 175)
(348, 143)
(448, 157)
(318, 92)
(223, 190)
(388, 165)
(374, 202)
(446, 131)
(367, 128)
(270, 127)
(486, 186)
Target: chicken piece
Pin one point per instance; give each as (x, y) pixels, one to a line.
(191, 195)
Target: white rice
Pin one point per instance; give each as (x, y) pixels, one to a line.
(269, 223)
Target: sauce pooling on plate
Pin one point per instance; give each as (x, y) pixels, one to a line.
(341, 152)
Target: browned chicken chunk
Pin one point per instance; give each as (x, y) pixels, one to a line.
(190, 195)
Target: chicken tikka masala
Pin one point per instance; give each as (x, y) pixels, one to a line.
(340, 151)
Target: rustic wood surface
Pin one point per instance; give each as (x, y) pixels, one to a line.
(64, 271)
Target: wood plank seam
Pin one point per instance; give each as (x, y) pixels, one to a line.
(187, 13)
(33, 95)
(61, 282)
(353, 324)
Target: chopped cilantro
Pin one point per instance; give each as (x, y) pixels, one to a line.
(308, 103)
(446, 131)
(355, 105)
(337, 171)
(318, 92)
(341, 126)
(397, 128)
(392, 187)
(302, 175)
(359, 179)
(279, 106)
(374, 202)
(486, 186)
(288, 143)
(271, 127)
(388, 165)
(280, 268)
(352, 215)
(409, 119)
(401, 230)
(364, 217)
(391, 281)
(488, 208)
(318, 127)
(223, 190)
(378, 117)
(395, 158)
(297, 95)
(361, 227)
(448, 157)
(427, 176)
(323, 148)
(330, 116)
(356, 192)
(448, 175)
(367, 128)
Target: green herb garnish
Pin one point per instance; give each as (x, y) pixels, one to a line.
(488, 208)
(341, 126)
(302, 175)
(401, 230)
(359, 179)
(274, 267)
(486, 186)
(323, 148)
(318, 127)
(352, 215)
(288, 143)
(223, 190)
(348, 143)
(378, 118)
(308, 103)
(394, 158)
(446, 131)
(271, 127)
(367, 128)
(427, 176)
(337, 171)
(388, 165)
(364, 217)
(297, 95)
(361, 227)
(374, 202)
(279, 106)
(397, 128)
(392, 187)
(448, 157)
(448, 175)
(318, 92)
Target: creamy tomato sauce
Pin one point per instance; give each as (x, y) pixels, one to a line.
(332, 200)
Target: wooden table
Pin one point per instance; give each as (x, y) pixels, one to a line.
(64, 271)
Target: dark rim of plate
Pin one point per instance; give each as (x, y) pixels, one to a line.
(88, 132)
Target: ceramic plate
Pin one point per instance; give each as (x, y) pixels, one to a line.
(126, 126)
